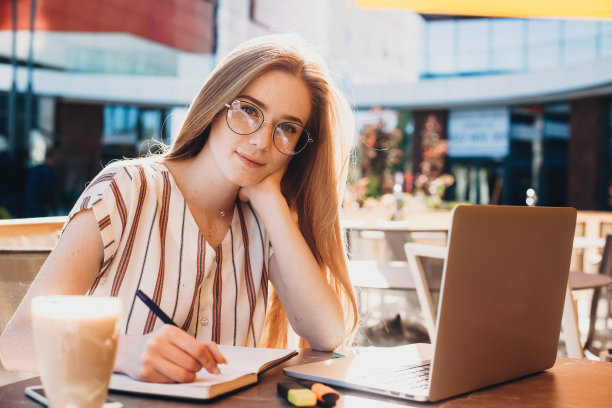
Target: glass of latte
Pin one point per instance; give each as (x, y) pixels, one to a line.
(75, 341)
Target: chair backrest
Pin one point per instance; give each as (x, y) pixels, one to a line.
(18, 268)
(605, 267)
(28, 233)
(25, 244)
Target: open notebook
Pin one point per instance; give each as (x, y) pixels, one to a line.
(244, 364)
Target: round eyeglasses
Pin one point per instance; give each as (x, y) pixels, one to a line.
(245, 118)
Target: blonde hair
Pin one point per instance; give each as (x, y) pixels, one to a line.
(315, 179)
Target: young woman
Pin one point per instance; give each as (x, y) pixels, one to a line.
(248, 193)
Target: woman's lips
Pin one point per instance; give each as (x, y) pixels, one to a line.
(248, 161)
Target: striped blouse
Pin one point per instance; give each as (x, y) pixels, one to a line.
(152, 242)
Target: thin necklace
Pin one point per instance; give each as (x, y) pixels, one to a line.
(223, 212)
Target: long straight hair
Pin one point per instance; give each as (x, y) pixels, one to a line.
(315, 179)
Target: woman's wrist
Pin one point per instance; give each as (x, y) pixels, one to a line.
(271, 202)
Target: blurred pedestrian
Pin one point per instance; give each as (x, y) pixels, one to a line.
(40, 195)
(5, 167)
(13, 177)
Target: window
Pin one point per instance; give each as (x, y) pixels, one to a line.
(150, 122)
(120, 125)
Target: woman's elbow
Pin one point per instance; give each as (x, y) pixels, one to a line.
(16, 353)
(327, 340)
(6, 353)
(2, 352)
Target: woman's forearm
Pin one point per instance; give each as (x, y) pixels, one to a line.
(312, 306)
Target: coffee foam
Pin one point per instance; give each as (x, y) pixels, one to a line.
(75, 307)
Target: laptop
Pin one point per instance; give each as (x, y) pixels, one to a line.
(499, 315)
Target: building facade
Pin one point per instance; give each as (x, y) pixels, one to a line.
(97, 79)
(524, 104)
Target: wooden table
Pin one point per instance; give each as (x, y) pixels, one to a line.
(392, 275)
(396, 234)
(570, 383)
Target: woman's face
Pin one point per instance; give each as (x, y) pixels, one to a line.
(247, 159)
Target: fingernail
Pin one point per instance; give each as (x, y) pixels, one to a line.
(217, 371)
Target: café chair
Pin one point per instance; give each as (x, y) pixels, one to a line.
(18, 268)
(390, 278)
(25, 244)
(350, 229)
(30, 233)
(580, 280)
(380, 273)
(416, 253)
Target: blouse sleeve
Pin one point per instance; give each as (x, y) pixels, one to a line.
(108, 195)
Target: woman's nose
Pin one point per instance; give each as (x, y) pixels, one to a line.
(262, 138)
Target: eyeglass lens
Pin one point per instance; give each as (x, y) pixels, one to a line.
(245, 118)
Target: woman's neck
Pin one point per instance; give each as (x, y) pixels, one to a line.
(204, 187)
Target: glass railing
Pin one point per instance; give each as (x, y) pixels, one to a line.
(489, 46)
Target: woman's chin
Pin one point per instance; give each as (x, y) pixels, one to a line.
(243, 182)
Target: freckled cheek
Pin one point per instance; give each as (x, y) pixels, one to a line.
(223, 145)
(222, 139)
(280, 163)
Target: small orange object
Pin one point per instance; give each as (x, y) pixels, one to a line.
(325, 394)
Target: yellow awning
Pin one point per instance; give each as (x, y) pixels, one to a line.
(592, 9)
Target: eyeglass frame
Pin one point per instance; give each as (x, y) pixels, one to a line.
(276, 125)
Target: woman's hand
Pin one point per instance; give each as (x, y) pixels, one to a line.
(166, 355)
(268, 185)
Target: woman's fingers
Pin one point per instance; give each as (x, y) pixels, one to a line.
(169, 351)
(168, 354)
(149, 369)
(215, 352)
(175, 373)
(205, 354)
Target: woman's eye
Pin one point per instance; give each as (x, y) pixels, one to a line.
(249, 110)
(288, 128)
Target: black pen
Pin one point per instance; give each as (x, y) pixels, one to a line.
(164, 318)
(154, 308)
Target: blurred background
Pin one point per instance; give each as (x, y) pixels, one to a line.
(449, 107)
(453, 103)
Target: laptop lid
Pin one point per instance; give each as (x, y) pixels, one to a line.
(500, 305)
(504, 284)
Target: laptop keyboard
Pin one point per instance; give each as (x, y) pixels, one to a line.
(413, 377)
